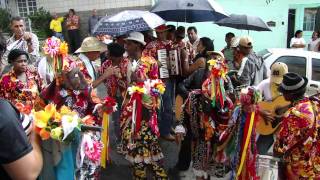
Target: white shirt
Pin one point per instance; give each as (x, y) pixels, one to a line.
(88, 65)
(295, 40)
(314, 45)
(21, 44)
(265, 89)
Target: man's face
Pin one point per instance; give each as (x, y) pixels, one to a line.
(18, 28)
(171, 36)
(162, 36)
(131, 47)
(94, 12)
(228, 40)
(93, 55)
(245, 50)
(192, 35)
(55, 15)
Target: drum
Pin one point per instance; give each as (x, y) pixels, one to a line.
(267, 167)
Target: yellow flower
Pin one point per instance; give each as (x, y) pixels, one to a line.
(161, 88)
(63, 49)
(65, 110)
(212, 62)
(56, 133)
(41, 118)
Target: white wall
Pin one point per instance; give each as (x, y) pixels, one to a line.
(85, 5)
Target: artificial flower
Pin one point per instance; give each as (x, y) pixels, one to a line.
(134, 89)
(44, 134)
(69, 123)
(88, 120)
(212, 62)
(56, 133)
(63, 49)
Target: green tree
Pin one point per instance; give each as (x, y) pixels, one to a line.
(4, 20)
(40, 22)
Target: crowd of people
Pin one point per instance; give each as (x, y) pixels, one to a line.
(214, 123)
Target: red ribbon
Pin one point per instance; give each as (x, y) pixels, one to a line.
(137, 97)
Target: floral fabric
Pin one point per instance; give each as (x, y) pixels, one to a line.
(152, 48)
(14, 90)
(114, 83)
(298, 125)
(142, 149)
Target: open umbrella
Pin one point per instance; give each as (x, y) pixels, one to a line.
(126, 22)
(189, 10)
(244, 22)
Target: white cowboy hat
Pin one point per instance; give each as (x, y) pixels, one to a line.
(91, 44)
(136, 36)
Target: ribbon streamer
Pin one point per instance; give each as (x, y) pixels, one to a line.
(105, 140)
(246, 144)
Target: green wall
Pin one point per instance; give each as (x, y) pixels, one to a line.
(276, 11)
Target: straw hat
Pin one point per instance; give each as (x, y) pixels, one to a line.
(91, 44)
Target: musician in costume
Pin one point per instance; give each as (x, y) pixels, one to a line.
(269, 91)
(297, 141)
(139, 127)
(209, 109)
(156, 49)
(89, 52)
(20, 84)
(117, 80)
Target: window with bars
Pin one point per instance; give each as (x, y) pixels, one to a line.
(26, 7)
(309, 19)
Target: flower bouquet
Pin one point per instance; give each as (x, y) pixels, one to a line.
(56, 124)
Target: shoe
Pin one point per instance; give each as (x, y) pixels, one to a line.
(168, 137)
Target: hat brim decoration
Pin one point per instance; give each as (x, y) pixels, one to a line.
(294, 88)
(57, 50)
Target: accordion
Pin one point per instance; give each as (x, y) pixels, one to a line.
(170, 62)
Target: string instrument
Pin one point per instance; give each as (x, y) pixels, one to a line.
(277, 108)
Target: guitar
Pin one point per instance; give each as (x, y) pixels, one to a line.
(277, 107)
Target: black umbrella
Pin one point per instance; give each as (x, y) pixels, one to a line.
(189, 10)
(317, 25)
(244, 22)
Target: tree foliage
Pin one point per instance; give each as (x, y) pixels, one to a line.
(4, 20)
(40, 22)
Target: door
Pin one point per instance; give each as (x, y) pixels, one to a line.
(291, 25)
(314, 83)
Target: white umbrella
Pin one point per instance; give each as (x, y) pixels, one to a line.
(126, 22)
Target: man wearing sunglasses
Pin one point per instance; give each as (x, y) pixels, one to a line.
(252, 70)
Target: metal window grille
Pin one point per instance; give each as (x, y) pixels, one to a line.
(309, 19)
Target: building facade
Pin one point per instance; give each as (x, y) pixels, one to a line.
(83, 8)
(286, 16)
